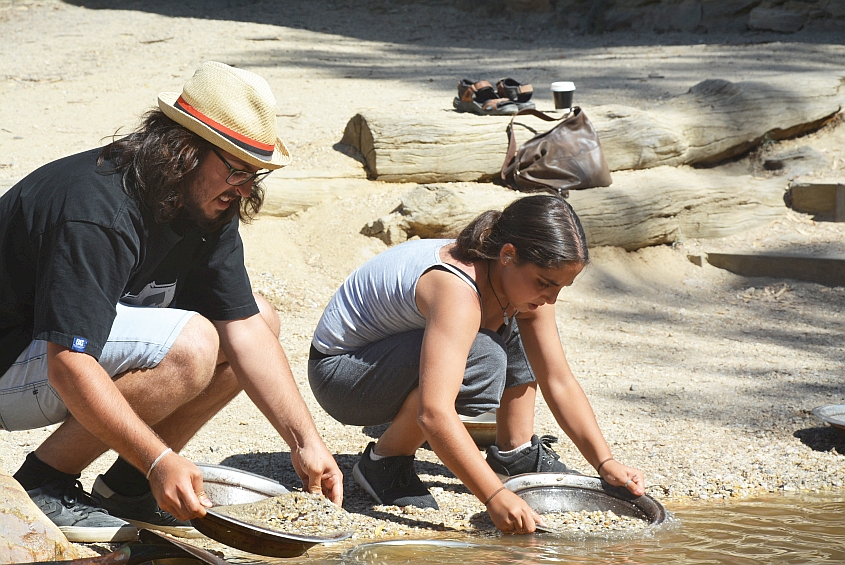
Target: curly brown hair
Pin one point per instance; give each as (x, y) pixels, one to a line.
(159, 162)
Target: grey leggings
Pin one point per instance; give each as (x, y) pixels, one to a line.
(367, 387)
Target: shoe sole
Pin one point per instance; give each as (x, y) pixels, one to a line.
(83, 534)
(186, 532)
(359, 478)
(476, 108)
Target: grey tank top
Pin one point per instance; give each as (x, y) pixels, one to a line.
(379, 298)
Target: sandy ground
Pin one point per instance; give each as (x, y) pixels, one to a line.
(703, 379)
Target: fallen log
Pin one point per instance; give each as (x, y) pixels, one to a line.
(642, 208)
(714, 121)
(287, 196)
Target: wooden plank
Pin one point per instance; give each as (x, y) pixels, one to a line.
(828, 271)
(813, 198)
(825, 199)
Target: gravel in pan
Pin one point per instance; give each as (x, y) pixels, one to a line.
(299, 513)
(597, 522)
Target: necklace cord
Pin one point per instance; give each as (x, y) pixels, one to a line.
(505, 307)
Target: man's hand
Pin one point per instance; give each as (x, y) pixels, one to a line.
(319, 472)
(251, 347)
(177, 486)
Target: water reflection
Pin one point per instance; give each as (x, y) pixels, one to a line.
(804, 529)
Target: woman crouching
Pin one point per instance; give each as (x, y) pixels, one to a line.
(433, 329)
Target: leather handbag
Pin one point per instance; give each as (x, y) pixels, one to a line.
(567, 157)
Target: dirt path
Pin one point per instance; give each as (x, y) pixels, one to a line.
(703, 379)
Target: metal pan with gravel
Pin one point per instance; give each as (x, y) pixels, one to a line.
(299, 513)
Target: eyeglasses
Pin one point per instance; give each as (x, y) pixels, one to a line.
(239, 177)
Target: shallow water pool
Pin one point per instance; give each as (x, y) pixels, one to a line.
(803, 529)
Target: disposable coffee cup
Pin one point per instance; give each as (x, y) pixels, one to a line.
(563, 92)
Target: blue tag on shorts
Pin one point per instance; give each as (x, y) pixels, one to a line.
(79, 344)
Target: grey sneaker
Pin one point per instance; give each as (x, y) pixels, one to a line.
(392, 481)
(77, 515)
(142, 511)
(538, 458)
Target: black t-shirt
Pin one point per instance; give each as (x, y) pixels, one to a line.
(73, 244)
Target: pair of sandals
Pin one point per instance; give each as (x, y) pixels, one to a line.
(480, 98)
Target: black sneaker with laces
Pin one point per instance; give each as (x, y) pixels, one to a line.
(539, 457)
(77, 515)
(142, 511)
(392, 480)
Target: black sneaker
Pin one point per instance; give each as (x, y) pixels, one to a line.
(142, 511)
(538, 458)
(392, 480)
(77, 515)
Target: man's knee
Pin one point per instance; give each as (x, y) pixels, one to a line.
(194, 353)
(268, 312)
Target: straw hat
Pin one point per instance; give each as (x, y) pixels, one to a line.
(233, 109)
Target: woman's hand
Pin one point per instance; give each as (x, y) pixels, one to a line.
(621, 475)
(511, 514)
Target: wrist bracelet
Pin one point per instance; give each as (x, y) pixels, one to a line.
(157, 459)
(493, 495)
(598, 469)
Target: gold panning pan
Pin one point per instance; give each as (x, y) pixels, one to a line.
(226, 485)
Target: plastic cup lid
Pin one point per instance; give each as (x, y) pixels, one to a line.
(563, 86)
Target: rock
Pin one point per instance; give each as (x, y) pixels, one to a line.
(619, 19)
(776, 19)
(26, 534)
(391, 229)
(716, 9)
(836, 8)
(686, 16)
(529, 5)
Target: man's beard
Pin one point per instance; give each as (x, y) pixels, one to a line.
(199, 217)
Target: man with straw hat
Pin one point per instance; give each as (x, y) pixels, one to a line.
(126, 313)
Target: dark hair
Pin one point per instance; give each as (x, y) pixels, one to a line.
(159, 161)
(543, 228)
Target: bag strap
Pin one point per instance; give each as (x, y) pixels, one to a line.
(512, 136)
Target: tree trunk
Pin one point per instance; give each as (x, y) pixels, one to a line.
(642, 208)
(714, 121)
